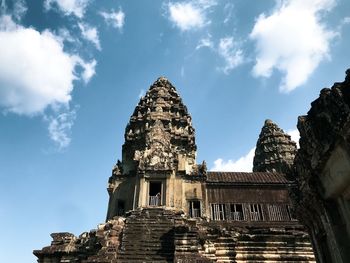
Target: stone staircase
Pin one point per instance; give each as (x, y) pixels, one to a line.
(187, 242)
(148, 236)
(160, 235)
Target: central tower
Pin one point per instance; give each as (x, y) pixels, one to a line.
(158, 153)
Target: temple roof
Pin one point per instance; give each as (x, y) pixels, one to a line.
(246, 178)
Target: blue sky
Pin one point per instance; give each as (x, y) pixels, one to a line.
(71, 73)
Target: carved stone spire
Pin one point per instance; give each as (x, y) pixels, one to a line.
(275, 151)
(159, 132)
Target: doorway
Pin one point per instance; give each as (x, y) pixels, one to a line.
(155, 193)
(195, 208)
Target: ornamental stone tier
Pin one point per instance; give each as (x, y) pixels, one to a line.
(275, 151)
(159, 135)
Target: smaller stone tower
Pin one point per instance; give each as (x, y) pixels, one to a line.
(275, 151)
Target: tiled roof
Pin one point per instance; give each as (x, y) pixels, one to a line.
(249, 178)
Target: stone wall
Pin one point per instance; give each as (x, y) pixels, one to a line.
(322, 167)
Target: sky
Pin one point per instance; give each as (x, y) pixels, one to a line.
(72, 71)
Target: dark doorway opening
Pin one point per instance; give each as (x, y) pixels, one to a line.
(195, 208)
(121, 208)
(155, 193)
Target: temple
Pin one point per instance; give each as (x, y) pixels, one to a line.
(164, 206)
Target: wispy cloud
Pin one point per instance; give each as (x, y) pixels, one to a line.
(114, 18)
(90, 33)
(19, 9)
(231, 52)
(190, 15)
(228, 10)
(68, 7)
(205, 42)
(243, 164)
(60, 127)
(293, 40)
(88, 69)
(227, 48)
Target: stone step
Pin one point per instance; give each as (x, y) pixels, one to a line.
(153, 223)
(220, 253)
(143, 261)
(273, 261)
(273, 256)
(261, 248)
(141, 255)
(273, 243)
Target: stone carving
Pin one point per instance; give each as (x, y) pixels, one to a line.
(158, 153)
(275, 151)
(320, 204)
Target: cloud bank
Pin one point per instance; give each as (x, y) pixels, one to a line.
(242, 164)
(35, 71)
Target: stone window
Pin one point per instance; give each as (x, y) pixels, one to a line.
(278, 212)
(218, 212)
(155, 193)
(236, 212)
(255, 212)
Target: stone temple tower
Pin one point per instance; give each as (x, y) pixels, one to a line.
(159, 150)
(275, 151)
(164, 207)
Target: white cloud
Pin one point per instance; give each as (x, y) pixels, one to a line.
(35, 71)
(190, 15)
(293, 40)
(114, 18)
(90, 33)
(231, 53)
(60, 128)
(295, 136)
(69, 7)
(88, 69)
(243, 164)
